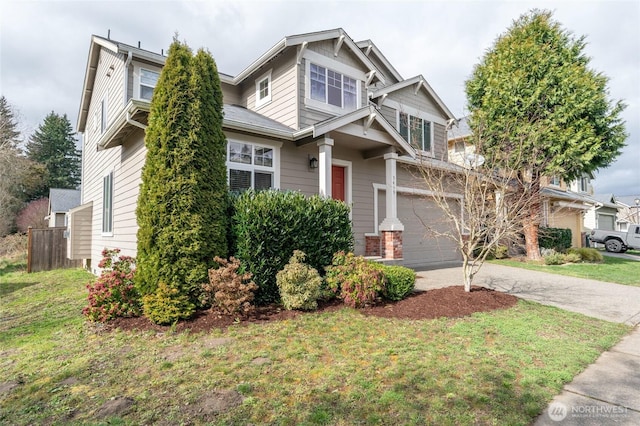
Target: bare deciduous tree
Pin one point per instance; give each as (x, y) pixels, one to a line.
(484, 209)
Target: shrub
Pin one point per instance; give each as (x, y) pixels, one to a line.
(590, 255)
(501, 252)
(166, 305)
(355, 280)
(554, 258)
(572, 258)
(33, 214)
(558, 239)
(228, 291)
(113, 294)
(400, 281)
(269, 225)
(299, 284)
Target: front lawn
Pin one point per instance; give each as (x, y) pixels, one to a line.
(613, 270)
(340, 367)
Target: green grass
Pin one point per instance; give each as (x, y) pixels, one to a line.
(337, 368)
(613, 270)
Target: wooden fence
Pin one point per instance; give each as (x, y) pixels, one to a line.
(47, 250)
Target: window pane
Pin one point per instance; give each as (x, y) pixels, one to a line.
(264, 88)
(350, 93)
(318, 83)
(146, 92)
(426, 144)
(239, 153)
(239, 180)
(459, 146)
(107, 203)
(334, 92)
(415, 131)
(263, 157)
(149, 78)
(263, 180)
(404, 127)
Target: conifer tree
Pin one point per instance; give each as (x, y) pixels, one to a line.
(534, 98)
(54, 146)
(182, 203)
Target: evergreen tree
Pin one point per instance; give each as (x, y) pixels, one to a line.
(534, 99)
(9, 133)
(182, 204)
(54, 146)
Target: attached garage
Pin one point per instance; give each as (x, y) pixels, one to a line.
(606, 221)
(421, 247)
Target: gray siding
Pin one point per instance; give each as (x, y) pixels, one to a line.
(231, 95)
(282, 107)
(345, 55)
(80, 232)
(418, 101)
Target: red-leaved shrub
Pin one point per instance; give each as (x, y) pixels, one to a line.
(355, 280)
(33, 214)
(113, 294)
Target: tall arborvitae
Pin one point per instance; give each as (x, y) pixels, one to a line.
(182, 203)
(54, 146)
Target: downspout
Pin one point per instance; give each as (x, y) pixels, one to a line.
(126, 76)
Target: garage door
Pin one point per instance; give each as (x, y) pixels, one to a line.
(420, 247)
(606, 222)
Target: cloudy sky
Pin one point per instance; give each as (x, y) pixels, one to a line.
(44, 45)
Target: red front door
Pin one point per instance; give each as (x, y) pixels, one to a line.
(337, 183)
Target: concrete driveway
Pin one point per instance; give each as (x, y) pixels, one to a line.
(608, 301)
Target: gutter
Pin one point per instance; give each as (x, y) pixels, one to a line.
(126, 76)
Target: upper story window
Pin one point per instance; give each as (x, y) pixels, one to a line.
(458, 146)
(263, 89)
(416, 131)
(100, 117)
(148, 81)
(251, 166)
(583, 184)
(333, 88)
(555, 180)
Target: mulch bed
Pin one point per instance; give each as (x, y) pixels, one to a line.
(451, 302)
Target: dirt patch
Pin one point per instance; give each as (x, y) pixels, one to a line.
(451, 302)
(114, 407)
(6, 387)
(215, 402)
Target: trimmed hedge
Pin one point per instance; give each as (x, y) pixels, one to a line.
(558, 239)
(400, 281)
(267, 226)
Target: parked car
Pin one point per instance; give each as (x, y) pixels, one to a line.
(616, 241)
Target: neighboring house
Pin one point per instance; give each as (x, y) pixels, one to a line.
(458, 142)
(60, 202)
(603, 213)
(628, 211)
(318, 113)
(563, 206)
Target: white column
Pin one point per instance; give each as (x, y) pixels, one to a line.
(324, 166)
(391, 221)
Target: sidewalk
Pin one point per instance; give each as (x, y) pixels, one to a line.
(608, 391)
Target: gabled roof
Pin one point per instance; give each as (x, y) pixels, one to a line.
(368, 47)
(420, 83)
(240, 118)
(628, 200)
(302, 39)
(606, 200)
(62, 200)
(97, 43)
(373, 115)
(459, 130)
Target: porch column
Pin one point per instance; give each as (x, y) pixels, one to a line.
(391, 227)
(324, 166)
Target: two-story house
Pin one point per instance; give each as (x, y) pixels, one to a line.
(317, 113)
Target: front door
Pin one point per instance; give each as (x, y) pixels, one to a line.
(337, 183)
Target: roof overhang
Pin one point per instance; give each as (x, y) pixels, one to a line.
(98, 43)
(338, 34)
(368, 115)
(419, 83)
(134, 115)
(368, 47)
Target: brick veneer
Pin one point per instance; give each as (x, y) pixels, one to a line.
(372, 245)
(392, 244)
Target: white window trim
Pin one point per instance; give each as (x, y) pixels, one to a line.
(251, 167)
(415, 112)
(136, 78)
(333, 65)
(552, 183)
(348, 167)
(431, 129)
(267, 99)
(102, 225)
